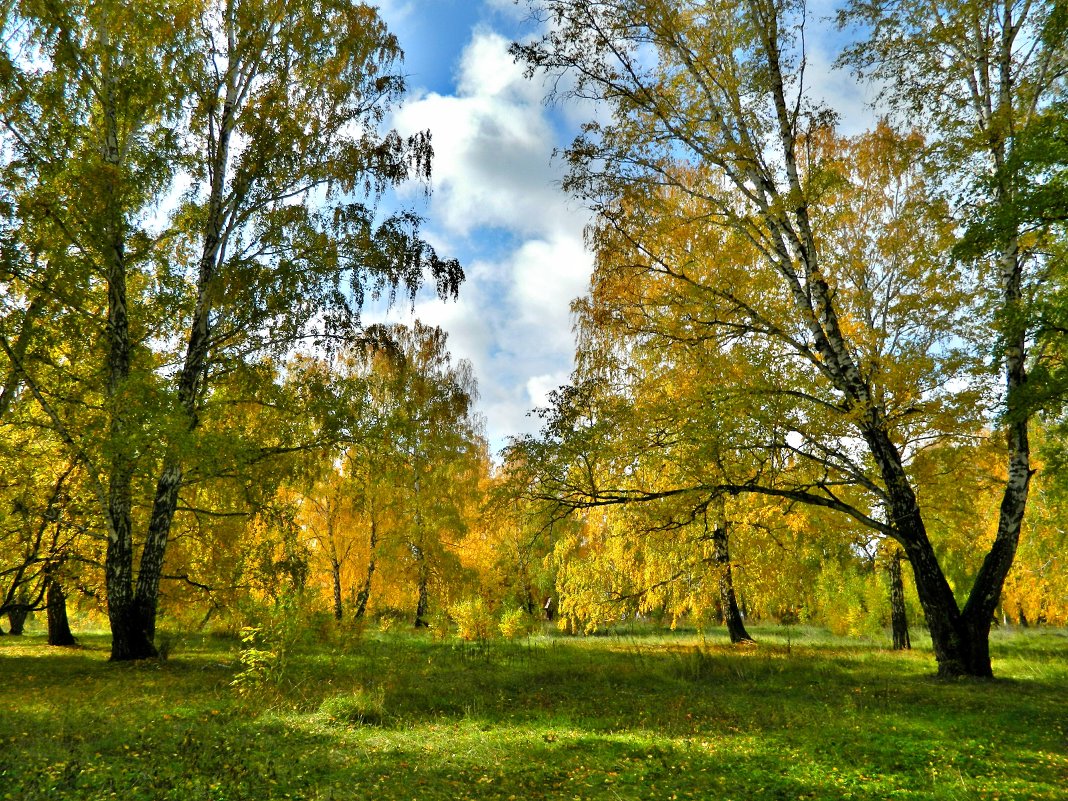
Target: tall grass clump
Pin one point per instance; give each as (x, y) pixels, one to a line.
(361, 707)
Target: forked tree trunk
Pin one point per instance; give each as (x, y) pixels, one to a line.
(335, 574)
(129, 636)
(365, 590)
(732, 616)
(134, 620)
(59, 632)
(130, 630)
(960, 641)
(130, 640)
(422, 607)
(949, 638)
(899, 623)
(16, 618)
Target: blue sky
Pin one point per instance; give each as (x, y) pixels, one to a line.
(495, 201)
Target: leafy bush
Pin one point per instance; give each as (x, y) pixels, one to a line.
(320, 628)
(440, 624)
(166, 644)
(852, 603)
(516, 623)
(389, 619)
(474, 622)
(259, 664)
(266, 646)
(361, 707)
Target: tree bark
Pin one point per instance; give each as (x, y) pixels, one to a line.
(986, 591)
(899, 623)
(959, 649)
(732, 616)
(365, 590)
(530, 606)
(16, 618)
(422, 607)
(12, 381)
(144, 604)
(960, 640)
(130, 640)
(59, 632)
(146, 596)
(335, 572)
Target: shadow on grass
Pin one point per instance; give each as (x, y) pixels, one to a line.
(614, 717)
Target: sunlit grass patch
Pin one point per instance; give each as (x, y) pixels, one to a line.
(638, 715)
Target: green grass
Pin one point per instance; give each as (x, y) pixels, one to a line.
(633, 715)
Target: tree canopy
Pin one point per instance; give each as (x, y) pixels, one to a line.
(828, 319)
(804, 356)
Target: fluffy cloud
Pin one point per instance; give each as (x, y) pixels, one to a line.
(497, 204)
(495, 191)
(516, 10)
(493, 142)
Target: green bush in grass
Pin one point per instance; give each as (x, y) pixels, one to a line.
(360, 707)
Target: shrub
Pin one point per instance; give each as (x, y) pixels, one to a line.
(166, 644)
(440, 624)
(360, 707)
(389, 619)
(260, 664)
(266, 646)
(319, 628)
(516, 623)
(473, 620)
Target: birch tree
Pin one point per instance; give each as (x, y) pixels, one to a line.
(259, 123)
(827, 281)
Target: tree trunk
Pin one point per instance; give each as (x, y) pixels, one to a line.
(732, 616)
(365, 590)
(530, 606)
(335, 572)
(129, 635)
(899, 623)
(129, 638)
(16, 618)
(960, 649)
(59, 632)
(422, 607)
(146, 596)
(139, 621)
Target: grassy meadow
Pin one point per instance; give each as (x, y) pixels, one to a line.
(640, 714)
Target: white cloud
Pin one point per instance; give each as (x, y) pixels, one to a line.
(515, 11)
(395, 10)
(495, 191)
(539, 387)
(493, 144)
(487, 69)
(496, 199)
(512, 322)
(545, 276)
